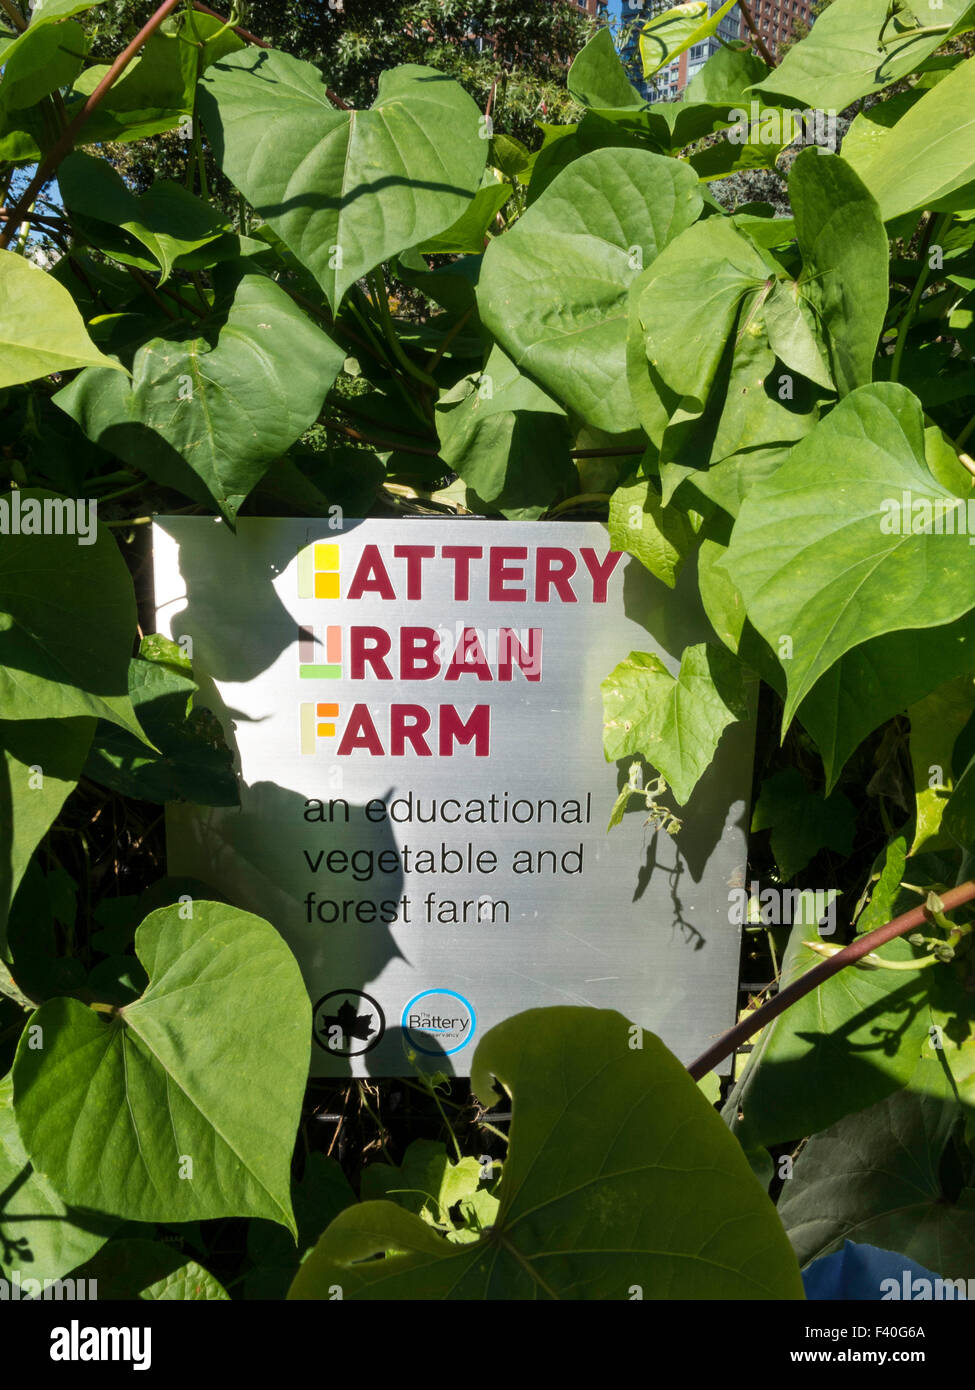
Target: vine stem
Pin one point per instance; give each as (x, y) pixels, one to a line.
(849, 955)
(13, 14)
(66, 140)
(760, 43)
(932, 232)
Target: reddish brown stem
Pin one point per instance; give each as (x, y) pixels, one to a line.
(760, 43)
(248, 37)
(66, 140)
(863, 945)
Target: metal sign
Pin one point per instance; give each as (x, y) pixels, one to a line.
(416, 710)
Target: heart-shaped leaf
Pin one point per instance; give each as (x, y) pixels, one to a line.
(554, 289)
(184, 1104)
(226, 402)
(41, 331)
(357, 186)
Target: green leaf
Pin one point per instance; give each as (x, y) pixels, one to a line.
(130, 1269)
(427, 1182)
(658, 1193)
(875, 1178)
(851, 1041)
(226, 403)
(356, 187)
(709, 271)
(802, 821)
(845, 261)
(841, 60)
(553, 289)
(167, 220)
(793, 332)
(928, 153)
(41, 764)
(42, 331)
(813, 550)
(660, 537)
(38, 62)
(726, 77)
(40, 1237)
(936, 722)
(597, 77)
(142, 1113)
(676, 722)
(193, 762)
(665, 36)
(469, 233)
(67, 617)
(506, 438)
(882, 907)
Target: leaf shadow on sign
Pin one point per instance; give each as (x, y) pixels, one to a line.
(274, 862)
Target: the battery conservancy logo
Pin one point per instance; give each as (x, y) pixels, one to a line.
(439, 1022)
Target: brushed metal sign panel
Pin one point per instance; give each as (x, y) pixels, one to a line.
(417, 716)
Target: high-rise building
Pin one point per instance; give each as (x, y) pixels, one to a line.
(667, 83)
(775, 20)
(596, 9)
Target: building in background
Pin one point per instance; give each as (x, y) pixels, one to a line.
(670, 81)
(774, 19)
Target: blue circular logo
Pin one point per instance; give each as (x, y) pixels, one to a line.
(439, 1022)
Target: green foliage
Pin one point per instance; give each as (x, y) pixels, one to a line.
(408, 255)
(705, 1228)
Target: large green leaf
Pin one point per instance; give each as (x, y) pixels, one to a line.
(866, 686)
(67, 620)
(175, 1108)
(851, 1041)
(167, 220)
(929, 152)
(40, 763)
(619, 1173)
(553, 290)
(598, 78)
(356, 186)
(40, 1236)
(845, 261)
(43, 58)
(676, 722)
(227, 402)
(875, 1178)
(708, 271)
(810, 553)
(193, 762)
(41, 330)
(842, 59)
(663, 37)
(506, 438)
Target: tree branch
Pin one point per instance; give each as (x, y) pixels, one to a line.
(66, 141)
(760, 43)
(753, 1022)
